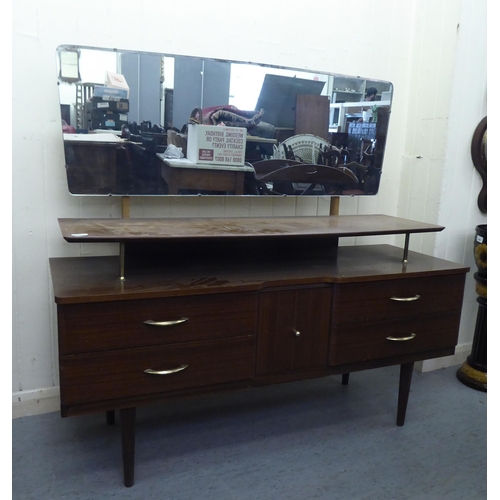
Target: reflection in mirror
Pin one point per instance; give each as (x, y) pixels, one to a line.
(136, 123)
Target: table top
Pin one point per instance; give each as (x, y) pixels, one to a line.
(264, 140)
(96, 279)
(141, 229)
(93, 139)
(185, 163)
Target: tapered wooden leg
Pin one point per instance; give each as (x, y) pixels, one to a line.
(127, 417)
(110, 417)
(405, 374)
(345, 378)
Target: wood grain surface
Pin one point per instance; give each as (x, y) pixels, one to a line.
(118, 230)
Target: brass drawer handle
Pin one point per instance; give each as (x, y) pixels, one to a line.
(406, 299)
(402, 339)
(165, 372)
(165, 323)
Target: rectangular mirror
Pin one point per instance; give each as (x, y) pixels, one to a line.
(137, 123)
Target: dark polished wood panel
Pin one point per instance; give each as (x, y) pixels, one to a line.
(375, 301)
(116, 230)
(293, 329)
(405, 374)
(116, 374)
(359, 342)
(127, 416)
(120, 324)
(95, 279)
(255, 382)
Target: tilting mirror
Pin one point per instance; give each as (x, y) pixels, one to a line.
(136, 123)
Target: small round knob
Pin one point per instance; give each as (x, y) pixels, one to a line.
(297, 333)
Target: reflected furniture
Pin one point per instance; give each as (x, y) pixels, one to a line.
(194, 306)
(297, 178)
(183, 175)
(93, 163)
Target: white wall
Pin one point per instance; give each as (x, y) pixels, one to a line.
(433, 52)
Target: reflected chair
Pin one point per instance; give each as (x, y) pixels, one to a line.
(291, 177)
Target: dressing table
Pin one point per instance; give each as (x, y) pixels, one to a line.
(192, 306)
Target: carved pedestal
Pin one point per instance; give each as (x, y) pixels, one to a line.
(473, 372)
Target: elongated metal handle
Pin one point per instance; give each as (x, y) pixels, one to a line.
(165, 323)
(402, 339)
(406, 299)
(165, 372)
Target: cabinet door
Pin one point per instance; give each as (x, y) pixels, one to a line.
(293, 329)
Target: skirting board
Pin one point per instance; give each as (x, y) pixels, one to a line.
(38, 401)
(461, 353)
(35, 402)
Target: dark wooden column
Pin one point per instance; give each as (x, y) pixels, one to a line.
(110, 417)
(127, 416)
(473, 372)
(405, 375)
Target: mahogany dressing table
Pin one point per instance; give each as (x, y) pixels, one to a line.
(194, 306)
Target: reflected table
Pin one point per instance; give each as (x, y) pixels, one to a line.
(182, 174)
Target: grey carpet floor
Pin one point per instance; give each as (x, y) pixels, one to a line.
(312, 439)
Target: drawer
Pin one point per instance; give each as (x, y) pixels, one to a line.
(376, 300)
(95, 377)
(356, 342)
(120, 324)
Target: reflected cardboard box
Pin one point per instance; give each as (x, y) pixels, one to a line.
(216, 145)
(110, 93)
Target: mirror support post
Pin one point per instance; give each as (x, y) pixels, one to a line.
(405, 250)
(334, 205)
(125, 207)
(122, 261)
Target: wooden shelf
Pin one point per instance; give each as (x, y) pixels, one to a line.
(125, 230)
(94, 279)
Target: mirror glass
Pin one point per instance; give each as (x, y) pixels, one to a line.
(137, 123)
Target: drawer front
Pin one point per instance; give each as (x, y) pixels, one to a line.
(357, 342)
(95, 377)
(121, 324)
(393, 299)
